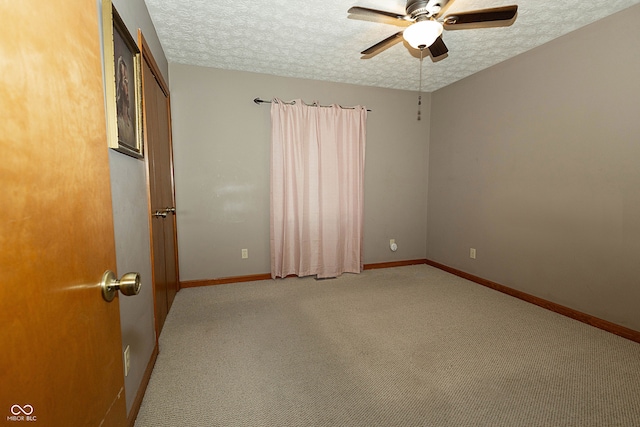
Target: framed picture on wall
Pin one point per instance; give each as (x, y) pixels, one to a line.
(123, 84)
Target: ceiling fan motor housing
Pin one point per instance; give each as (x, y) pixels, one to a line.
(424, 8)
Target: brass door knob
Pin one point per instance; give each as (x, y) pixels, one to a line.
(129, 285)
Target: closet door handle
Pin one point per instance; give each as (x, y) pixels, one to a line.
(158, 214)
(171, 210)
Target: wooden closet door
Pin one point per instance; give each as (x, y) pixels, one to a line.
(161, 189)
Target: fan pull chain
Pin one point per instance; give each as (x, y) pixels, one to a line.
(420, 88)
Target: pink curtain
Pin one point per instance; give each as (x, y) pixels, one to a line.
(317, 174)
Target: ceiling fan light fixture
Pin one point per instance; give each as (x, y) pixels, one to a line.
(423, 34)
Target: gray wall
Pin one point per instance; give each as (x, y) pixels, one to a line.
(221, 148)
(534, 162)
(130, 215)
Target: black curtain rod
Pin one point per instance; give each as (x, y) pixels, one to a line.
(261, 101)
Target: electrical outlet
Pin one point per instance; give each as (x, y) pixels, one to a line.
(472, 253)
(127, 360)
(245, 253)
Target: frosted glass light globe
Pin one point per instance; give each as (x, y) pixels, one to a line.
(422, 34)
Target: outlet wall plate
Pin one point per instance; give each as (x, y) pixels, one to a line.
(127, 360)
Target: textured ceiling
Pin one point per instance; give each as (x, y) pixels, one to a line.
(316, 39)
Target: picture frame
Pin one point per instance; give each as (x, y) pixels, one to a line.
(123, 84)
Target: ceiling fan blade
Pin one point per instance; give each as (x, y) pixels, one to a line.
(380, 46)
(494, 17)
(365, 11)
(438, 48)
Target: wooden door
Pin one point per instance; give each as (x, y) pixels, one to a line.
(161, 188)
(60, 362)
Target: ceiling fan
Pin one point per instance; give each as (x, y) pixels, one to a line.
(427, 19)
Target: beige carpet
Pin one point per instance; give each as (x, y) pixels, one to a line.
(408, 346)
